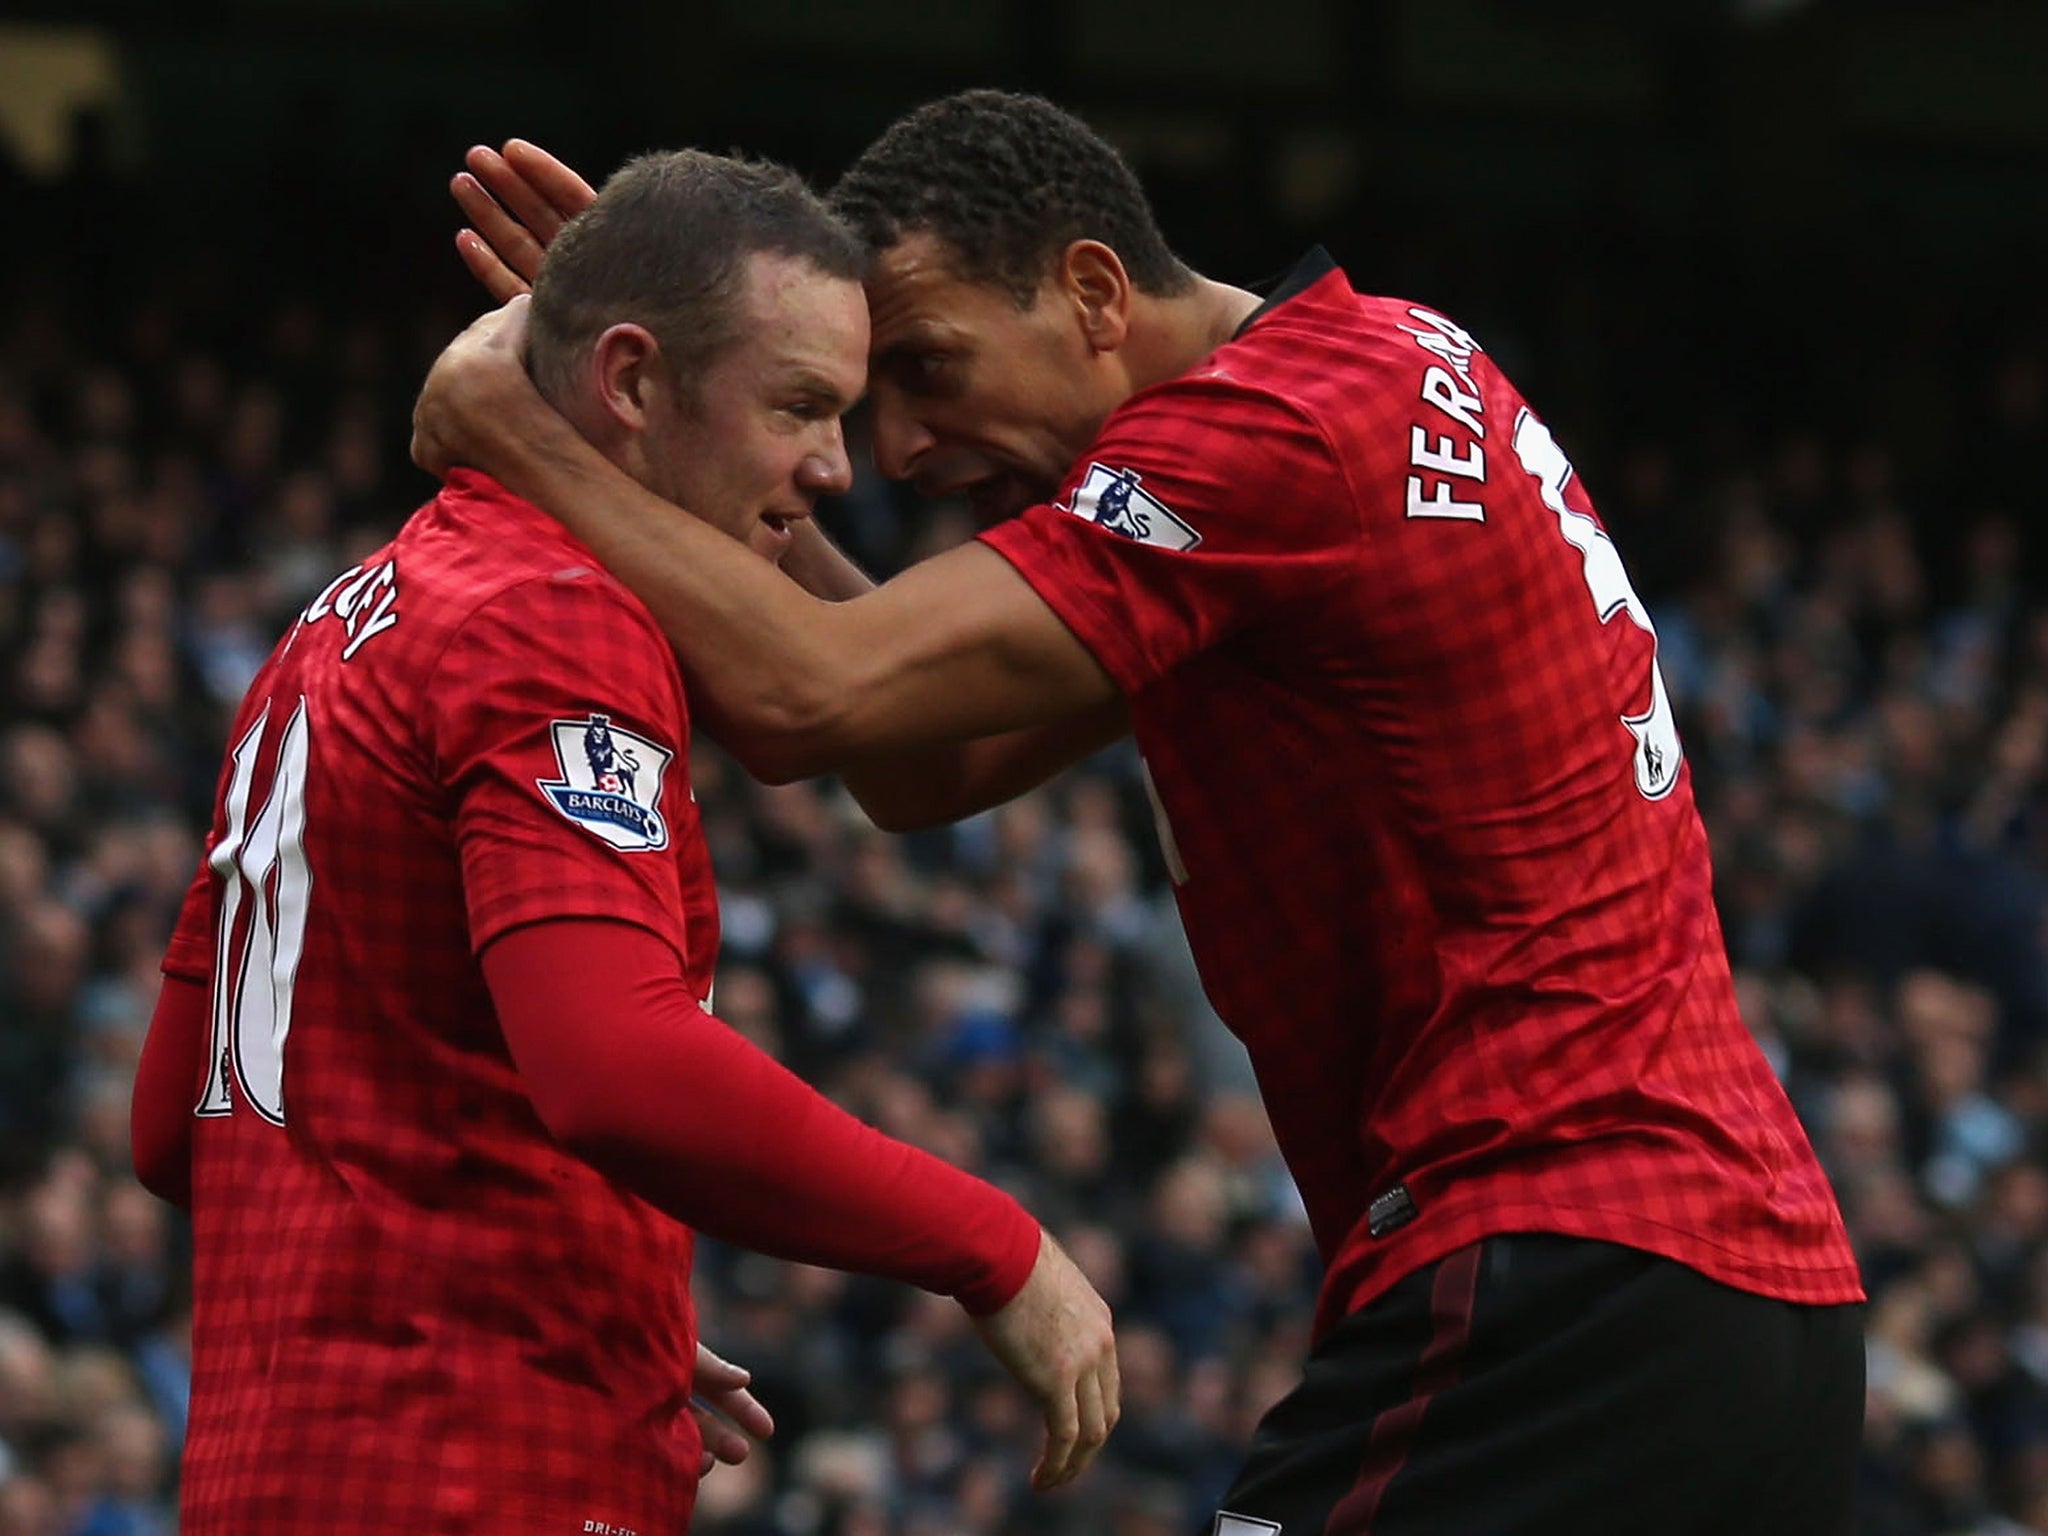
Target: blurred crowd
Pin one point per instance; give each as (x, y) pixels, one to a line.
(1861, 668)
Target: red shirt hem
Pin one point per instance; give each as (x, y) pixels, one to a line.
(1368, 1267)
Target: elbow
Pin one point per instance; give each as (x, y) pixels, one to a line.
(796, 736)
(578, 1123)
(653, 1160)
(150, 1173)
(586, 1123)
(163, 1168)
(591, 1145)
(891, 818)
(587, 1139)
(892, 812)
(777, 761)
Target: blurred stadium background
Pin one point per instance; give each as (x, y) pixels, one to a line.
(1772, 270)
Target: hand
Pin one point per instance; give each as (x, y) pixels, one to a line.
(476, 391)
(516, 203)
(1055, 1338)
(729, 1416)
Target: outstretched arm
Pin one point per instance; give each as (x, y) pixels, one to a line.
(676, 1107)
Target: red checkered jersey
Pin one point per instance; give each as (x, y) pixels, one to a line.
(415, 1310)
(1430, 827)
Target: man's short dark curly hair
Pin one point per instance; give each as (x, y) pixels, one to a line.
(1007, 182)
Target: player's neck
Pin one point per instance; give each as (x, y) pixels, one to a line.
(1169, 336)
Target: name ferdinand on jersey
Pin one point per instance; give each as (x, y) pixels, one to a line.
(610, 784)
(1111, 499)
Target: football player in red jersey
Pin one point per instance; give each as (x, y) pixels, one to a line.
(1427, 816)
(434, 1067)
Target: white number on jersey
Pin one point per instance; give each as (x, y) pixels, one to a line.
(261, 864)
(1655, 731)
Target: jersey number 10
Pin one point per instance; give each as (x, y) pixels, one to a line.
(262, 866)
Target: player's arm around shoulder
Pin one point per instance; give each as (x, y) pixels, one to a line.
(933, 785)
(957, 647)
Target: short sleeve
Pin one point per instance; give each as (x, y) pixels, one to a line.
(558, 731)
(1203, 507)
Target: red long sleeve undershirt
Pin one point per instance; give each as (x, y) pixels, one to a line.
(628, 1072)
(166, 1088)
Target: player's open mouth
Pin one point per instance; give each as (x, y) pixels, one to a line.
(777, 524)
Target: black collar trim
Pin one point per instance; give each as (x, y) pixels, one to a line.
(1298, 279)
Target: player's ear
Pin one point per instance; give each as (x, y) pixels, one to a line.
(625, 366)
(1092, 280)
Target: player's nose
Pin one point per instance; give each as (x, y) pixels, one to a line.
(900, 439)
(827, 471)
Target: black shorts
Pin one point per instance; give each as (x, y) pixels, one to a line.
(1531, 1385)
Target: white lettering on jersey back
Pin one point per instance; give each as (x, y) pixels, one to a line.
(365, 600)
(610, 784)
(1111, 499)
(1462, 405)
(1443, 458)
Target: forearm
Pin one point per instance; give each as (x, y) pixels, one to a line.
(659, 1095)
(821, 567)
(931, 786)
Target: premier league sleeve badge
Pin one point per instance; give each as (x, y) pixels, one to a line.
(610, 782)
